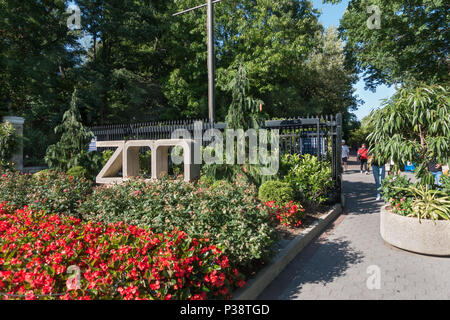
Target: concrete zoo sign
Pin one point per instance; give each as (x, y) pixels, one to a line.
(126, 157)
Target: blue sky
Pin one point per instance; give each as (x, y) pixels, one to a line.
(331, 14)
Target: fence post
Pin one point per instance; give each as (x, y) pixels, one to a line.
(17, 157)
(338, 175)
(318, 138)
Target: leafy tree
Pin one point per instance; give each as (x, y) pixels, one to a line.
(411, 44)
(117, 81)
(37, 55)
(243, 111)
(359, 135)
(243, 114)
(71, 149)
(141, 63)
(33, 53)
(330, 78)
(413, 126)
(275, 41)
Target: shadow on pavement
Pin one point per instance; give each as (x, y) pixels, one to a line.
(361, 198)
(326, 264)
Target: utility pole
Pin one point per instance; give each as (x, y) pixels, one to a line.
(211, 54)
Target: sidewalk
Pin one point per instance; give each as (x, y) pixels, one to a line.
(338, 264)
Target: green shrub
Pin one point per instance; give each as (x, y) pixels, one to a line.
(278, 191)
(309, 177)
(106, 155)
(35, 143)
(8, 142)
(42, 172)
(145, 161)
(445, 181)
(230, 215)
(78, 172)
(47, 190)
(15, 187)
(428, 203)
(71, 149)
(400, 199)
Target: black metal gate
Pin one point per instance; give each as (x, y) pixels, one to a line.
(316, 135)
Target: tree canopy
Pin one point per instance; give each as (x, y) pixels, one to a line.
(410, 45)
(134, 61)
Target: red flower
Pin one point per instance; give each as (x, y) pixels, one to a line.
(241, 283)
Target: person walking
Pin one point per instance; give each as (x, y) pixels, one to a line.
(379, 172)
(362, 156)
(345, 155)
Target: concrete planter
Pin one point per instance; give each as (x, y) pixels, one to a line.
(425, 237)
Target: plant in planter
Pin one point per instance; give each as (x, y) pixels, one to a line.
(413, 126)
(445, 181)
(428, 204)
(395, 191)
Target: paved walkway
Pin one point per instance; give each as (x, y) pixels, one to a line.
(344, 261)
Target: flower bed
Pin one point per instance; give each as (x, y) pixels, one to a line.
(116, 261)
(230, 215)
(47, 190)
(289, 215)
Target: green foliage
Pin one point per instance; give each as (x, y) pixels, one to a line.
(8, 141)
(243, 114)
(229, 214)
(145, 161)
(71, 149)
(37, 54)
(278, 191)
(119, 80)
(359, 136)
(415, 200)
(35, 143)
(394, 190)
(413, 126)
(309, 177)
(42, 172)
(243, 111)
(48, 190)
(332, 80)
(133, 61)
(106, 155)
(429, 204)
(411, 44)
(445, 181)
(77, 172)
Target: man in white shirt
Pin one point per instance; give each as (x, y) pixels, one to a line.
(345, 155)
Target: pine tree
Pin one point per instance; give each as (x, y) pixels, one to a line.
(72, 147)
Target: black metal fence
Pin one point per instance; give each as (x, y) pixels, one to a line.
(317, 135)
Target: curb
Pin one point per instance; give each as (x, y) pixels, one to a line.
(256, 286)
